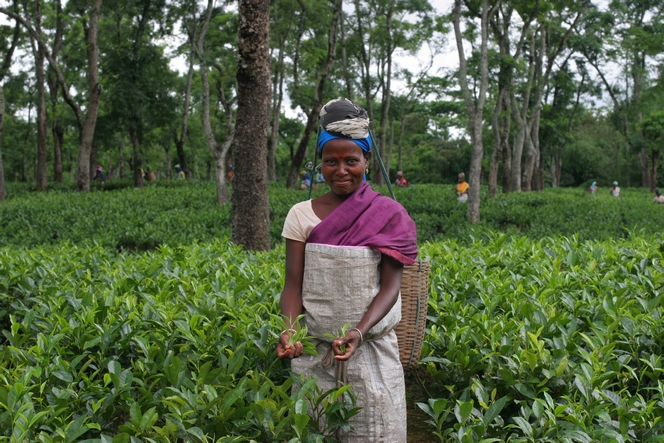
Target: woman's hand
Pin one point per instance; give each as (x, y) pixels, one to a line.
(351, 342)
(286, 350)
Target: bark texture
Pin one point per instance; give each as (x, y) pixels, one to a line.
(251, 215)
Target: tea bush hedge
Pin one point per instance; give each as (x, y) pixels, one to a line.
(127, 316)
(527, 340)
(179, 213)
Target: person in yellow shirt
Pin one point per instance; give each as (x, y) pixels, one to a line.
(462, 188)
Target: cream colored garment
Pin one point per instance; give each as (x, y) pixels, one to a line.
(300, 220)
(338, 285)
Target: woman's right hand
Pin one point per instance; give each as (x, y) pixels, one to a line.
(286, 350)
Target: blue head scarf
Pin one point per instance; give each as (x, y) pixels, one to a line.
(324, 137)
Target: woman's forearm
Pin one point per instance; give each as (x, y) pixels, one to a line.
(383, 302)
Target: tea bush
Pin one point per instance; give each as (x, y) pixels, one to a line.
(171, 345)
(179, 213)
(547, 340)
(545, 319)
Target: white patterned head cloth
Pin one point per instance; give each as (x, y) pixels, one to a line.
(343, 117)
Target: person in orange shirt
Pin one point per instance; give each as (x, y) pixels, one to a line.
(462, 188)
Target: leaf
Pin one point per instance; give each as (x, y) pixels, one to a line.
(465, 408)
(523, 425)
(76, 429)
(493, 411)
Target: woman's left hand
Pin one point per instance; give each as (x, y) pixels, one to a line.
(351, 341)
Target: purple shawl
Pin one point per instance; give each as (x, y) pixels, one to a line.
(367, 218)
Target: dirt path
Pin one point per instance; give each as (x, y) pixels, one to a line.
(418, 430)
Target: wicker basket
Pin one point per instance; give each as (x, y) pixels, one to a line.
(414, 304)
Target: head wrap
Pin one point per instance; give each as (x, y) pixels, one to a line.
(341, 118)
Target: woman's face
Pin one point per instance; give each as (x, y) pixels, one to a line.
(343, 166)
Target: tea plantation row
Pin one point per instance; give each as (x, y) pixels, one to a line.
(182, 213)
(527, 340)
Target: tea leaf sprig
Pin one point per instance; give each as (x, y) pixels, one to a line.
(300, 334)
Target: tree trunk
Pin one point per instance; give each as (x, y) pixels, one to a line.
(42, 135)
(58, 137)
(344, 58)
(529, 165)
(475, 108)
(136, 160)
(251, 212)
(653, 171)
(94, 150)
(219, 151)
(3, 186)
(56, 127)
(556, 169)
(494, 165)
(277, 98)
(387, 96)
(220, 175)
(94, 98)
(121, 170)
(179, 139)
(168, 170)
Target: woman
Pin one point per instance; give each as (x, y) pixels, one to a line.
(659, 198)
(345, 252)
(462, 188)
(401, 181)
(615, 190)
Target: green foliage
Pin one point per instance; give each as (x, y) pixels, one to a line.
(531, 336)
(171, 345)
(173, 213)
(546, 340)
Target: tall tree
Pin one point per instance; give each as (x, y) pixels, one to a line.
(86, 123)
(4, 69)
(283, 18)
(474, 104)
(90, 21)
(35, 12)
(251, 213)
(503, 29)
(315, 103)
(219, 150)
(137, 74)
(190, 24)
(57, 130)
(628, 34)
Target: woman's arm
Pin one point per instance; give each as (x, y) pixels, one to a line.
(291, 297)
(391, 271)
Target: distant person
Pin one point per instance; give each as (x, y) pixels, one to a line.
(593, 188)
(229, 175)
(462, 188)
(99, 175)
(306, 180)
(401, 181)
(179, 173)
(659, 198)
(615, 190)
(149, 176)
